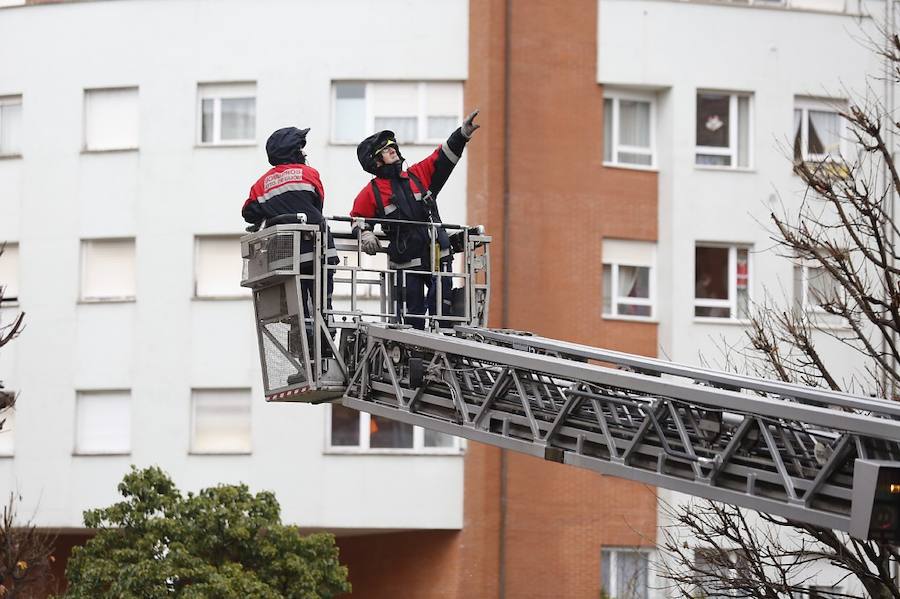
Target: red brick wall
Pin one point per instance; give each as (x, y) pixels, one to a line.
(562, 202)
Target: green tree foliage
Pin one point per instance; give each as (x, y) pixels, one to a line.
(222, 542)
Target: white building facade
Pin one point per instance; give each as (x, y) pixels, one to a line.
(720, 97)
(129, 145)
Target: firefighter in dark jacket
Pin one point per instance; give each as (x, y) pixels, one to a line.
(410, 195)
(293, 187)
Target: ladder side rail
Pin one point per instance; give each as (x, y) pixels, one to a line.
(822, 396)
(649, 385)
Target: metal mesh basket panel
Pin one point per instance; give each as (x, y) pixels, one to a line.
(278, 366)
(281, 251)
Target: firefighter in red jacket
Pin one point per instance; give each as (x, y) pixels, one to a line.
(292, 187)
(409, 195)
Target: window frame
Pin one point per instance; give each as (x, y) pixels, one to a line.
(733, 142)
(14, 302)
(244, 294)
(12, 100)
(192, 449)
(806, 104)
(418, 448)
(85, 146)
(617, 95)
(216, 94)
(422, 115)
(614, 552)
(130, 398)
(615, 299)
(8, 432)
(731, 302)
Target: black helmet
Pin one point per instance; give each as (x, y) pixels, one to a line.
(369, 148)
(283, 146)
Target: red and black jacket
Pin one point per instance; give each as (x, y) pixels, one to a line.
(286, 189)
(400, 194)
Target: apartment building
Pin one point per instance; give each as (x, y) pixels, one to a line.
(628, 147)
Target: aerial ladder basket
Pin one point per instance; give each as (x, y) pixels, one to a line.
(809, 455)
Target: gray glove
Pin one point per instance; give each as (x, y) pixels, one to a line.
(369, 243)
(469, 126)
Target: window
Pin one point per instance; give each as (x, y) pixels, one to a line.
(624, 573)
(722, 282)
(7, 431)
(724, 129)
(417, 112)
(715, 569)
(9, 274)
(814, 287)
(107, 269)
(628, 278)
(354, 431)
(220, 421)
(629, 124)
(10, 125)
(218, 267)
(103, 422)
(110, 119)
(818, 130)
(226, 113)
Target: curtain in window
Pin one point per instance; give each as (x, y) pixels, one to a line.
(631, 575)
(207, 109)
(824, 133)
(221, 421)
(238, 118)
(634, 123)
(404, 127)
(440, 127)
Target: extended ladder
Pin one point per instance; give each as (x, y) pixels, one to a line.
(809, 455)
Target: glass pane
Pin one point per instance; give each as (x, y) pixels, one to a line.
(798, 143)
(11, 128)
(824, 133)
(607, 130)
(344, 426)
(607, 289)
(206, 126)
(350, 91)
(238, 119)
(633, 310)
(631, 575)
(385, 433)
(634, 123)
(440, 127)
(437, 439)
(712, 120)
(743, 131)
(350, 111)
(712, 160)
(634, 281)
(707, 312)
(711, 274)
(822, 287)
(403, 127)
(605, 573)
(743, 283)
(632, 158)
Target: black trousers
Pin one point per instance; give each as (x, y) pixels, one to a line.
(418, 292)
